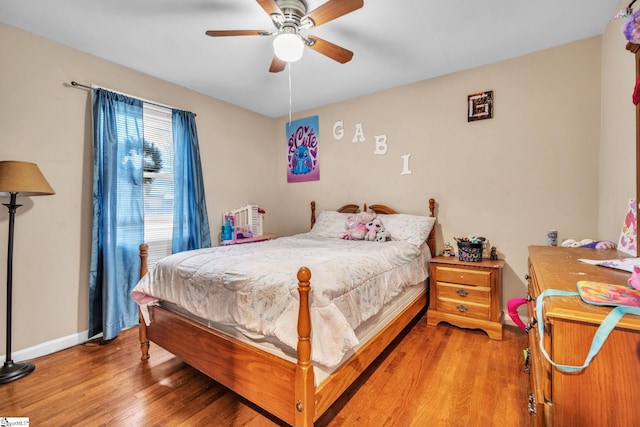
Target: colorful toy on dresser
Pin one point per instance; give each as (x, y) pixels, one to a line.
(588, 243)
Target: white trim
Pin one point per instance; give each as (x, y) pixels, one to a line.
(49, 347)
(508, 320)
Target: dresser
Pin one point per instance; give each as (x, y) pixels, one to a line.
(605, 393)
(466, 294)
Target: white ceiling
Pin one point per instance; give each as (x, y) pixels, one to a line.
(395, 42)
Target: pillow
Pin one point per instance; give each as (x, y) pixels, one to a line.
(330, 224)
(411, 228)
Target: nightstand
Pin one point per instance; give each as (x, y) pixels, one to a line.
(466, 294)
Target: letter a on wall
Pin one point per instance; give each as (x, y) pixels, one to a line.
(302, 150)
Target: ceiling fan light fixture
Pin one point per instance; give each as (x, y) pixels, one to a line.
(288, 47)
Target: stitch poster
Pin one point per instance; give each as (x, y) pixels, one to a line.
(302, 150)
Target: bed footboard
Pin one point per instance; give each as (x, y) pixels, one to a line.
(285, 389)
(304, 380)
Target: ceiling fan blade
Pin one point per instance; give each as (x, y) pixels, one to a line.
(270, 6)
(222, 33)
(329, 49)
(277, 65)
(333, 9)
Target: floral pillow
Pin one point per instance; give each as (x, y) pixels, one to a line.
(411, 228)
(330, 224)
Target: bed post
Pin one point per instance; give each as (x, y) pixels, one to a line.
(304, 381)
(313, 213)
(142, 326)
(431, 240)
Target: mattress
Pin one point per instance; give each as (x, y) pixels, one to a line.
(253, 288)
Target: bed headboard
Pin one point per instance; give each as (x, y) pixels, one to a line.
(383, 209)
(350, 208)
(431, 240)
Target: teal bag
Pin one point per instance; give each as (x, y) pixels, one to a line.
(605, 328)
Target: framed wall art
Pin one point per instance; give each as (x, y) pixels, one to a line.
(480, 106)
(302, 150)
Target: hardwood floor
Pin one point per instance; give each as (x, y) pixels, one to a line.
(431, 376)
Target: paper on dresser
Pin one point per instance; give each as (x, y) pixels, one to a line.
(625, 264)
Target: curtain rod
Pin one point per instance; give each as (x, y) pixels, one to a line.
(76, 84)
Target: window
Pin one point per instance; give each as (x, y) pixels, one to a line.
(126, 133)
(158, 181)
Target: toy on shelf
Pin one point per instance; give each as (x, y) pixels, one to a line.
(229, 230)
(448, 250)
(247, 220)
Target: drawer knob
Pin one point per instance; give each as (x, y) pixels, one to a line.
(531, 324)
(462, 292)
(462, 308)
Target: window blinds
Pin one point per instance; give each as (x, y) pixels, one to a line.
(158, 181)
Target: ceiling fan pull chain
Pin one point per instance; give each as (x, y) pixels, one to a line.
(289, 69)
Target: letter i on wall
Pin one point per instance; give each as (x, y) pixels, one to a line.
(302, 150)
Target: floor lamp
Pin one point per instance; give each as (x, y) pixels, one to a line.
(24, 179)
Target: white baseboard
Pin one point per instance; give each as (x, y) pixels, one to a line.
(48, 347)
(508, 320)
(83, 336)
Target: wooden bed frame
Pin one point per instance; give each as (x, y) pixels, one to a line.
(283, 388)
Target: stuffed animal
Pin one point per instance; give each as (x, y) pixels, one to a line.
(356, 226)
(383, 235)
(588, 243)
(373, 227)
(634, 280)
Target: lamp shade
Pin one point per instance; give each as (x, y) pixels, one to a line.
(23, 178)
(288, 47)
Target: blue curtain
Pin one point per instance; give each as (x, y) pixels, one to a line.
(190, 220)
(118, 227)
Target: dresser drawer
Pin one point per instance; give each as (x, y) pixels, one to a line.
(464, 308)
(463, 276)
(464, 293)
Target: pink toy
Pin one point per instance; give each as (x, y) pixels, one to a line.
(373, 227)
(634, 280)
(512, 307)
(355, 226)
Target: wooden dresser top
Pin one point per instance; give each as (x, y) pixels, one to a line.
(559, 268)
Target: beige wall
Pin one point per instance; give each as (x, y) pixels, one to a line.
(617, 166)
(45, 121)
(534, 166)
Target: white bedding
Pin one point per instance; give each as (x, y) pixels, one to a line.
(253, 287)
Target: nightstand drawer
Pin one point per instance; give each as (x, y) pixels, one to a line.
(464, 308)
(462, 293)
(464, 276)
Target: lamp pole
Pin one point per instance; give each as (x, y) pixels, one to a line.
(24, 178)
(11, 371)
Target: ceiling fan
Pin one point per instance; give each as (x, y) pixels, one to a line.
(291, 16)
